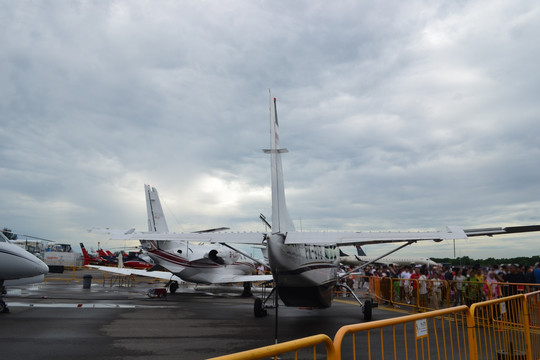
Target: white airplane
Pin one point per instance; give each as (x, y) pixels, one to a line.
(305, 265)
(185, 261)
(18, 267)
(363, 259)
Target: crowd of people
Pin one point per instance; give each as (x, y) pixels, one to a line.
(444, 286)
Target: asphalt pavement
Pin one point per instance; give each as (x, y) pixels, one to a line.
(61, 320)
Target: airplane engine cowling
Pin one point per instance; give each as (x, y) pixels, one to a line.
(221, 257)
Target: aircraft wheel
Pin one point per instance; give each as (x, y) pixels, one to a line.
(258, 308)
(367, 310)
(173, 287)
(3, 307)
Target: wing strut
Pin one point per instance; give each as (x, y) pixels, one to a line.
(243, 253)
(378, 258)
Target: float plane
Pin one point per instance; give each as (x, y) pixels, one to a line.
(185, 260)
(18, 267)
(305, 265)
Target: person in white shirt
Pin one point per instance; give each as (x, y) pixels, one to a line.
(458, 282)
(423, 289)
(405, 276)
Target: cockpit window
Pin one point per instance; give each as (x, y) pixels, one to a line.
(3, 238)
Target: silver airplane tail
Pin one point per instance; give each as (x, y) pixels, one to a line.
(156, 218)
(281, 220)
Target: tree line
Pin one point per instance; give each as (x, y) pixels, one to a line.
(465, 260)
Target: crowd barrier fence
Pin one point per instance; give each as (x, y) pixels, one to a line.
(439, 294)
(506, 328)
(286, 348)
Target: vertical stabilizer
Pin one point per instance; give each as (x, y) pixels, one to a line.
(156, 218)
(86, 256)
(360, 251)
(281, 220)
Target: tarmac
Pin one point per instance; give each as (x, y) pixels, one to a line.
(59, 319)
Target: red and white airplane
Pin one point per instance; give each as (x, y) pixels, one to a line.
(185, 260)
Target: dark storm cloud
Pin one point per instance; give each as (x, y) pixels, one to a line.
(398, 116)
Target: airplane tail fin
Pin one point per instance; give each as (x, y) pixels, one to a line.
(156, 218)
(281, 220)
(360, 251)
(86, 257)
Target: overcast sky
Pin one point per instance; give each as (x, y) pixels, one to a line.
(398, 115)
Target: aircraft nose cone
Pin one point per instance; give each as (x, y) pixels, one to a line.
(35, 268)
(42, 268)
(32, 266)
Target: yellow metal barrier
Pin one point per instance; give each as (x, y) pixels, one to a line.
(287, 347)
(500, 329)
(433, 294)
(506, 328)
(440, 334)
(532, 307)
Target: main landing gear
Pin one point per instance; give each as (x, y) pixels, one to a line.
(3, 306)
(367, 305)
(259, 306)
(173, 286)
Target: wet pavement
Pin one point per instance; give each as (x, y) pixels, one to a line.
(61, 320)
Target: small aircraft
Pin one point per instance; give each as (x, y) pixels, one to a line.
(95, 259)
(362, 259)
(184, 260)
(18, 267)
(107, 258)
(133, 259)
(305, 265)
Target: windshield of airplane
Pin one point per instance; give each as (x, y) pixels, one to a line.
(3, 238)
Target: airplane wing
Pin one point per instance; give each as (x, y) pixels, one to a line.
(229, 279)
(164, 275)
(333, 238)
(254, 238)
(367, 238)
(500, 231)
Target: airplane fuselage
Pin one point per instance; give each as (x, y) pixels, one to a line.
(305, 274)
(198, 263)
(17, 263)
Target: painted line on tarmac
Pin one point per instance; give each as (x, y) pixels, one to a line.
(86, 306)
(350, 302)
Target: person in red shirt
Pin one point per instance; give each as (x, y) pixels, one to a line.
(414, 284)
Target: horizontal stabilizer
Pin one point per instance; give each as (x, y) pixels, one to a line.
(111, 231)
(275, 151)
(211, 230)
